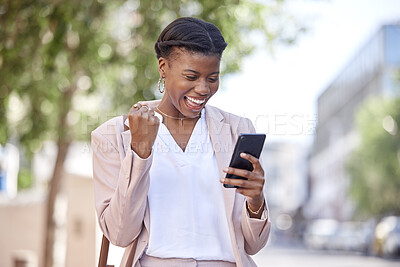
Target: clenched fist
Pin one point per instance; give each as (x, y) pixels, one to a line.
(143, 125)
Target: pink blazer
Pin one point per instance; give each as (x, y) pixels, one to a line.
(121, 183)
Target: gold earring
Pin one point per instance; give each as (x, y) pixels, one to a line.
(163, 85)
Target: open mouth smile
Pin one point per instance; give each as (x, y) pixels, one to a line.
(195, 104)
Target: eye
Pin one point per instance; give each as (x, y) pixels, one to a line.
(191, 77)
(213, 79)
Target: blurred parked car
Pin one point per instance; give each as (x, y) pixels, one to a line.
(334, 235)
(320, 233)
(387, 237)
(353, 236)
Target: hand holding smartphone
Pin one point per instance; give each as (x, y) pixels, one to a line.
(247, 143)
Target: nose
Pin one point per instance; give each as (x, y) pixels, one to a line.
(203, 88)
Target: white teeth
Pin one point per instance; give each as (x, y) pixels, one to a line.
(197, 101)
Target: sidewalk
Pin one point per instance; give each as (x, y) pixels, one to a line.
(291, 256)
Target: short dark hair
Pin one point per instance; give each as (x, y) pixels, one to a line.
(192, 34)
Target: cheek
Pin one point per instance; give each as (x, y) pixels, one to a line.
(180, 85)
(177, 89)
(214, 88)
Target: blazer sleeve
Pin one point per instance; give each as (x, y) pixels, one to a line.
(255, 231)
(121, 183)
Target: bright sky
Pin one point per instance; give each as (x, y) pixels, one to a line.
(280, 93)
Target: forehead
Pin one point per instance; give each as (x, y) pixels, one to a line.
(182, 58)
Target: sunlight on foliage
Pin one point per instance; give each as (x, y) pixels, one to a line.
(374, 166)
(104, 52)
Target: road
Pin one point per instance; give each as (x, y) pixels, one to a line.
(280, 256)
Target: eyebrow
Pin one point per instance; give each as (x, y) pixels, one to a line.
(216, 72)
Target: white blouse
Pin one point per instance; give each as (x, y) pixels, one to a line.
(187, 212)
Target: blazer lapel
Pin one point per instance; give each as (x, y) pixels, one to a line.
(221, 139)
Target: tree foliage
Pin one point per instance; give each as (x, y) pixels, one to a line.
(374, 167)
(48, 56)
(86, 58)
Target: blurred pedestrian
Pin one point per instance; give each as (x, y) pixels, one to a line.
(158, 170)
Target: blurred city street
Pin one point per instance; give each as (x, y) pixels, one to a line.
(298, 256)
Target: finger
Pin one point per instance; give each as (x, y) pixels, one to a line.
(255, 161)
(239, 172)
(257, 179)
(146, 109)
(154, 120)
(235, 182)
(248, 188)
(135, 107)
(143, 113)
(151, 113)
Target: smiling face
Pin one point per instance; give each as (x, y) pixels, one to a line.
(190, 80)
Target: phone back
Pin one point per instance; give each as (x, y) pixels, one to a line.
(250, 144)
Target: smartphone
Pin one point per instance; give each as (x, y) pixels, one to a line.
(247, 143)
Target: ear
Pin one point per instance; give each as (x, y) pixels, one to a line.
(162, 65)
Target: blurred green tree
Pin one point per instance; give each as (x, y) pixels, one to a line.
(67, 66)
(374, 166)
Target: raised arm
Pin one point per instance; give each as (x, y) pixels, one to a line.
(121, 163)
(121, 184)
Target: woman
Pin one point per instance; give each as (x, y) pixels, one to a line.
(158, 171)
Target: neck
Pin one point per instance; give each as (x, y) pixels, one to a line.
(179, 120)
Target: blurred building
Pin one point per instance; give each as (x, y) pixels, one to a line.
(23, 224)
(371, 72)
(286, 175)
